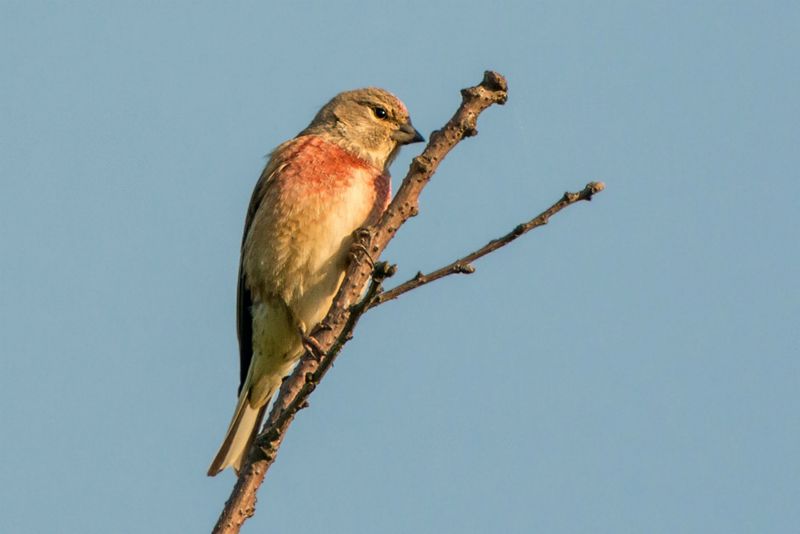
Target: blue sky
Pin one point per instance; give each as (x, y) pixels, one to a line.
(631, 367)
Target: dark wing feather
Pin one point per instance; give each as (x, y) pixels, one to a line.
(244, 300)
(244, 328)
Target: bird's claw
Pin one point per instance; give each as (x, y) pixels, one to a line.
(313, 347)
(357, 247)
(361, 238)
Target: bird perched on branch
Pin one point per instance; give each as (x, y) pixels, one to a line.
(316, 190)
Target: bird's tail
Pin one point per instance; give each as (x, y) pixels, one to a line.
(241, 432)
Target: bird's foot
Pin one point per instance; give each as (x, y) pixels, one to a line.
(362, 234)
(312, 346)
(357, 249)
(361, 238)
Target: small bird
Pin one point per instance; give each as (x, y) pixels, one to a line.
(314, 193)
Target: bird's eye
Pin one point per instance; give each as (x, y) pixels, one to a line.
(380, 112)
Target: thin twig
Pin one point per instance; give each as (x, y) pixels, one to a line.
(337, 327)
(464, 265)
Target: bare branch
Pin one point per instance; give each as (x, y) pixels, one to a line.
(464, 265)
(337, 327)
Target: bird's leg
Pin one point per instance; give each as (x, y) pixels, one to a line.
(361, 239)
(312, 346)
(362, 234)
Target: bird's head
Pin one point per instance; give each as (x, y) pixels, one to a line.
(371, 123)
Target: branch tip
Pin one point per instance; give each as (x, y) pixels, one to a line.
(465, 268)
(494, 81)
(593, 188)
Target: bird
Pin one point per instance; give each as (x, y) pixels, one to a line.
(314, 193)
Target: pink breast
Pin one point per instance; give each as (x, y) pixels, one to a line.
(317, 171)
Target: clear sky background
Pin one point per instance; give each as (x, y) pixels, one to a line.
(632, 367)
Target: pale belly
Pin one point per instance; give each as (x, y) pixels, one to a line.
(301, 255)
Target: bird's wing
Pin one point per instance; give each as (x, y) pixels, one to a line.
(244, 300)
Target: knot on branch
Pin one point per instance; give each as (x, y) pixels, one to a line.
(265, 442)
(463, 268)
(383, 270)
(421, 164)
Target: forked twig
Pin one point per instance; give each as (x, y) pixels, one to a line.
(464, 265)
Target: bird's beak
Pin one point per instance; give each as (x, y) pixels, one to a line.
(407, 134)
